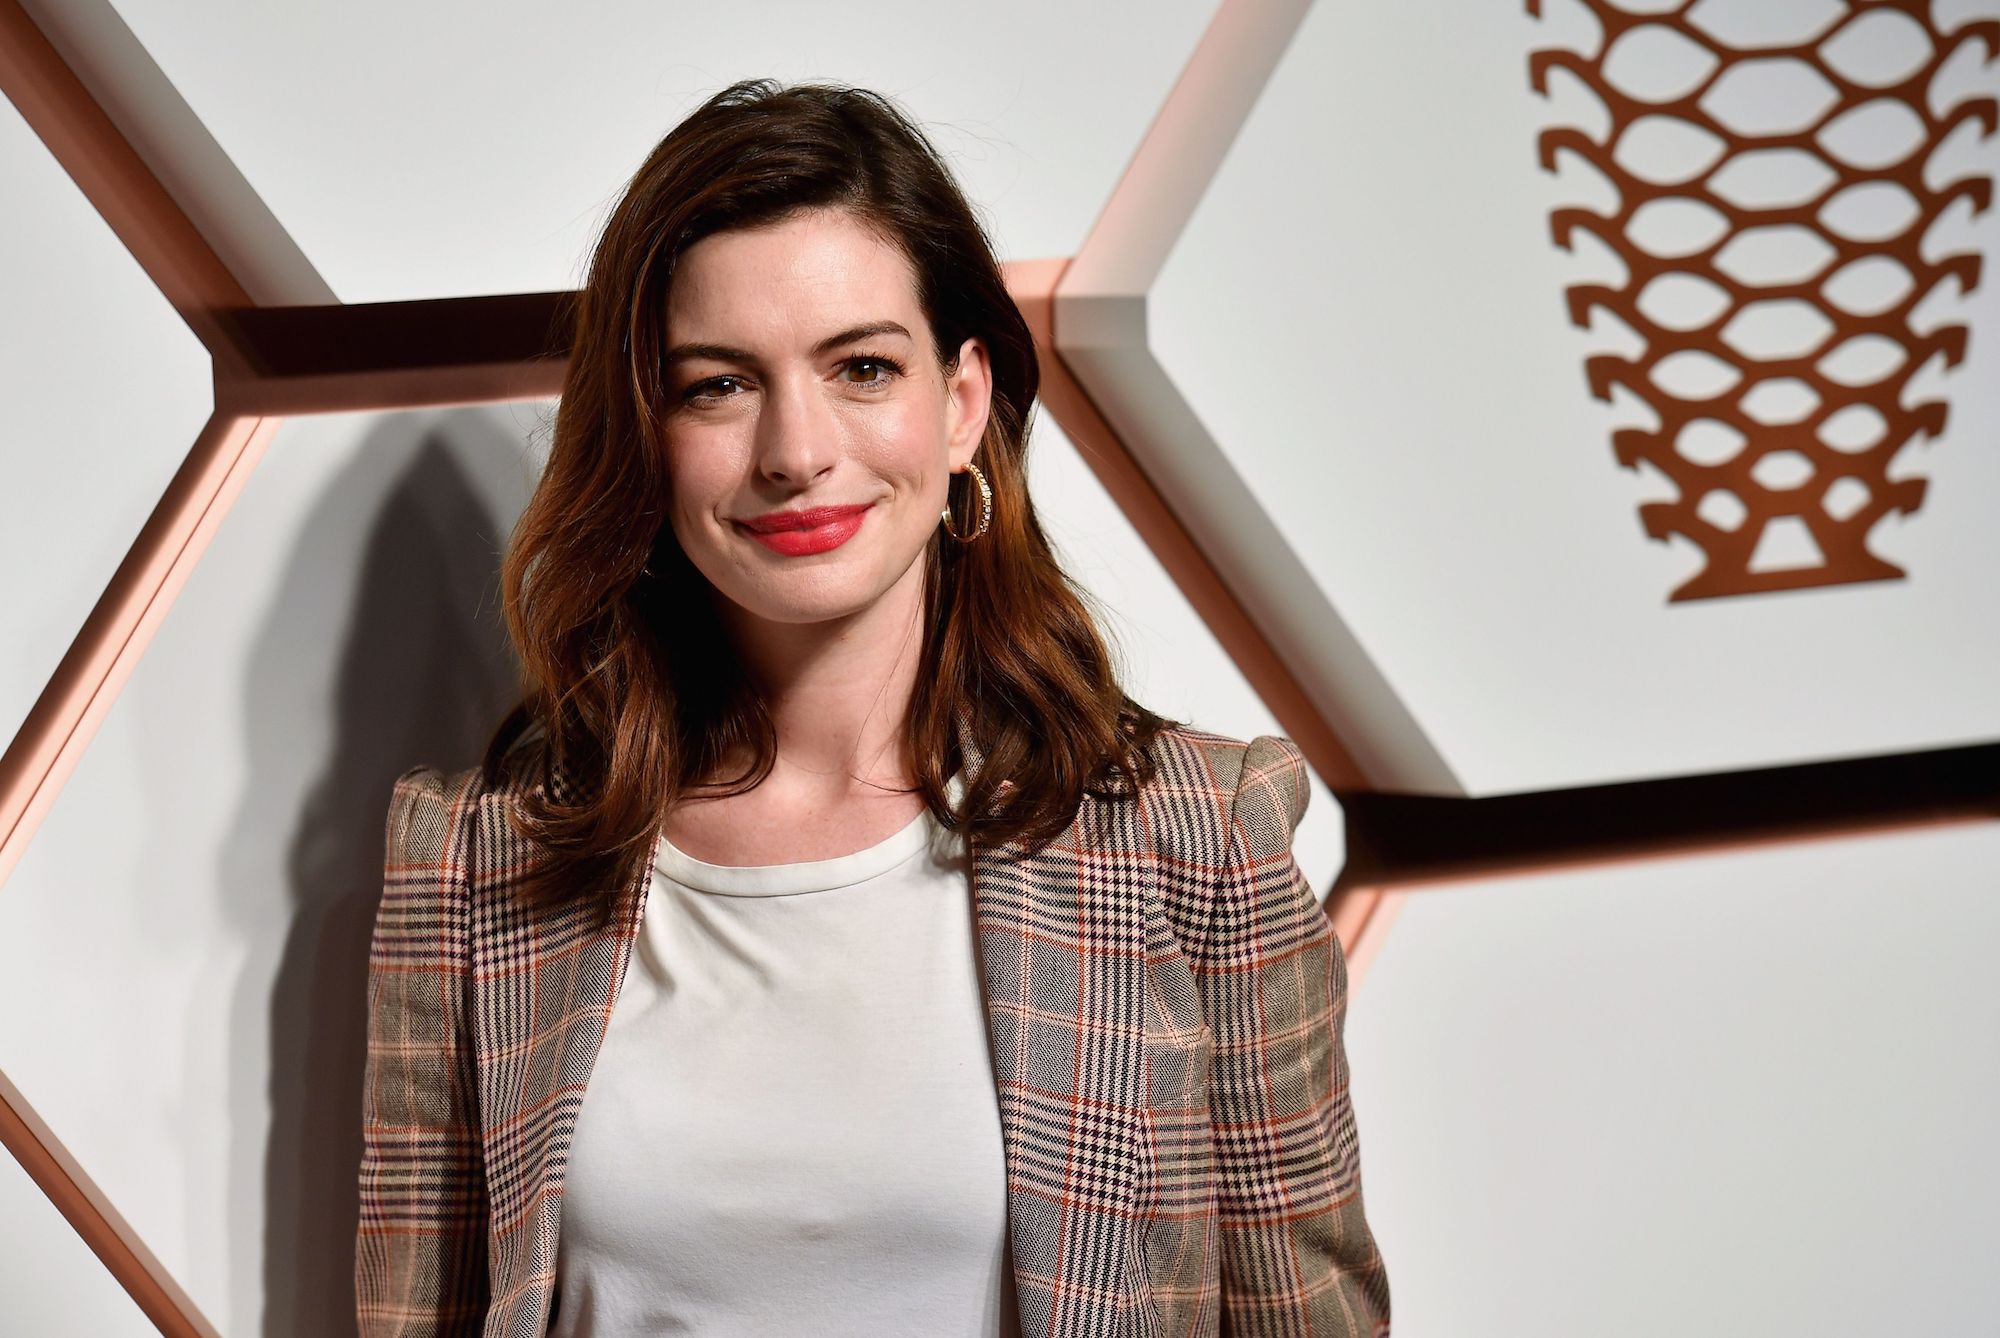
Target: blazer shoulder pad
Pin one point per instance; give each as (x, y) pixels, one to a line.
(1261, 782)
(1272, 792)
(427, 806)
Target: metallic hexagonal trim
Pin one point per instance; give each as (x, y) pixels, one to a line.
(1100, 335)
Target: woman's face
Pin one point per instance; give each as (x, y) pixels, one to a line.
(801, 375)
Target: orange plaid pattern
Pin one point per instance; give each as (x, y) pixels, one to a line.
(1165, 999)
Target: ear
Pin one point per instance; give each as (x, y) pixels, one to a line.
(968, 401)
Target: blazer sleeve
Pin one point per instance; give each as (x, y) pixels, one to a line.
(420, 1249)
(1297, 1253)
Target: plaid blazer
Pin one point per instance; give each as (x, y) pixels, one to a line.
(1165, 999)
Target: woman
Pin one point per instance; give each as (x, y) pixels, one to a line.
(827, 943)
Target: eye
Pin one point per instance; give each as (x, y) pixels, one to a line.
(885, 369)
(703, 390)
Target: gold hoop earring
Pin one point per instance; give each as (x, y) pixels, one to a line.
(985, 507)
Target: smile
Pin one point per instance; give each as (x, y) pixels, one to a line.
(837, 526)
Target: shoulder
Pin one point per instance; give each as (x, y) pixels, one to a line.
(1219, 785)
(432, 808)
(1221, 812)
(423, 919)
(431, 843)
(427, 806)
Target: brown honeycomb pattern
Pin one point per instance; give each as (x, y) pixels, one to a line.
(1772, 210)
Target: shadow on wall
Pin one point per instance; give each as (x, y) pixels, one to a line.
(425, 672)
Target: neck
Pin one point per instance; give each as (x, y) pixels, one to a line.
(839, 691)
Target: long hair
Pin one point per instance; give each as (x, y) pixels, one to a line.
(629, 685)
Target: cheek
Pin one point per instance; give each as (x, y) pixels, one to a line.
(701, 477)
(908, 448)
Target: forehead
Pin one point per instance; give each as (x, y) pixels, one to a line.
(789, 280)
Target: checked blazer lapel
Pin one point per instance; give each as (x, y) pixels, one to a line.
(544, 981)
(1064, 972)
(1063, 945)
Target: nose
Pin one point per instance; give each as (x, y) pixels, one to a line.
(798, 434)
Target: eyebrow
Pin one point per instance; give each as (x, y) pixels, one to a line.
(723, 353)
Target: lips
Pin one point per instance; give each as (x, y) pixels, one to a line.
(797, 533)
(811, 518)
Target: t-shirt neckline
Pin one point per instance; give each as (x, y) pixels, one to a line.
(817, 875)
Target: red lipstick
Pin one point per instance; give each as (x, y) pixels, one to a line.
(812, 530)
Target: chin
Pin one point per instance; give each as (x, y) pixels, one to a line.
(807, 606)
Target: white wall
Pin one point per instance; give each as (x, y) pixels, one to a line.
(1736, 1095)
(107, 389)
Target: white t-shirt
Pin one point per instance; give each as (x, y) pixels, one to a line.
(792, 1126)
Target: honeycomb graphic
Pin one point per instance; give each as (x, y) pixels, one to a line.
(1771, 166)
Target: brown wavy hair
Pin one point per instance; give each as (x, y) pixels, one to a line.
(629, 684)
